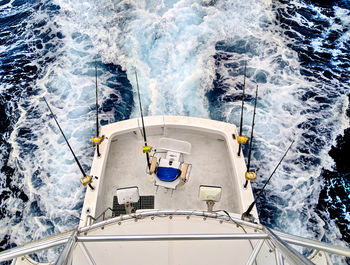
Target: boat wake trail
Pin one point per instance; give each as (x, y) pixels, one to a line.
(171, 44)
(299, 60)
(41, 55)
(189, 56)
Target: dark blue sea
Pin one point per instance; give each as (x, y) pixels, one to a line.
(190, 57)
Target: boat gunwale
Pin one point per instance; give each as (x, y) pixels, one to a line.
(110, 131)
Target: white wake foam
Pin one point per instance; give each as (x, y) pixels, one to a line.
(171, 45)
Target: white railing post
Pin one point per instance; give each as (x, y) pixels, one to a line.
(290, 254)
(65, 254)
(255, 252)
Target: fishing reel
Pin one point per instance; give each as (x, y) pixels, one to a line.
(248, 217)
(146, 149)
(97, 140)
(242, 139)
(87, 180)
(249, 176)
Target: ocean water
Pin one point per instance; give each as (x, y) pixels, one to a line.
(189, 56)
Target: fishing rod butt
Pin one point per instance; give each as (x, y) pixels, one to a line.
(247, 216)
(245, 184)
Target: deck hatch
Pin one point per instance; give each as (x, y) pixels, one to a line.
(145, 202)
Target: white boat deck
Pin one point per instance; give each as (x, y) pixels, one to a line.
(213, 158)
(159, 236)
(126, 167)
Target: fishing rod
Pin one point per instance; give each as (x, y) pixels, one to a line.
(85, 180)
(242, 139)
(246, 215)
(251, 175)
(97, 140)
(146, 149)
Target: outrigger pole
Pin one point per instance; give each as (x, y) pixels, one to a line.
(242, 139)
(246, 215)
(86, 180)
(146, 149)
(251, 175)
(96, 140)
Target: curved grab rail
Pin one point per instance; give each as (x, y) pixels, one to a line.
(266, 233)
(103, 214)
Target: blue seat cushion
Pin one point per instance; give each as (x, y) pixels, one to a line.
(168, 174)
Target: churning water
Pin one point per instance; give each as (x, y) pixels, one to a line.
(190, 57)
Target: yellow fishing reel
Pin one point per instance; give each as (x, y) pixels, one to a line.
(86, 180)
(250, 176)
(242, 139)
(146, 149)
(97, 140)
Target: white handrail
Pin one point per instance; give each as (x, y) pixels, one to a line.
(171, 237)
(55, 241)
(289, 253)
(63, 238)
(65, 254)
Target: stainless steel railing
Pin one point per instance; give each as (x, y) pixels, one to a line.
(278, 239)
(66, 253)
(287, 252)
(103, 215)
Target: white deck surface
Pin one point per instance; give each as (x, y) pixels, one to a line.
(126, 167)
(213, 157)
